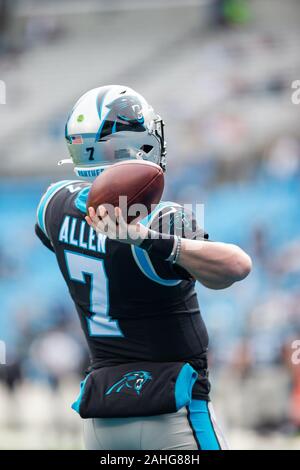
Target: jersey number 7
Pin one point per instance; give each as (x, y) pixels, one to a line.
(99, 324)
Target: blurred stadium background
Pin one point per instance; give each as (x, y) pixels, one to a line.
(220, 74)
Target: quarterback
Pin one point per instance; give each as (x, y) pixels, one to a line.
(133, 286)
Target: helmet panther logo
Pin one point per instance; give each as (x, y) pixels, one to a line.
(133, 380)
(125, 114)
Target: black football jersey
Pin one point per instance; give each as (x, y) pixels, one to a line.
(132, 306)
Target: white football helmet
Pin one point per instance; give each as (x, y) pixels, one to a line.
(110, 124)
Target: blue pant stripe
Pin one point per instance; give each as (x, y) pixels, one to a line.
(192, 428)
(202, 426)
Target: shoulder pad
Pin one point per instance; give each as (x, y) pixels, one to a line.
(72, 185)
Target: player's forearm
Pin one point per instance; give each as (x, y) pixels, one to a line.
(216, 265)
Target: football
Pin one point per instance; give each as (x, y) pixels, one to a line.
(140, 181)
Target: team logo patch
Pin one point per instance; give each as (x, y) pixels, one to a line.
(132, 380)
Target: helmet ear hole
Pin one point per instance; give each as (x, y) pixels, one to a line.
(146, 148)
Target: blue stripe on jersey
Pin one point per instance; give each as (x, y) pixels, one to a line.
(184, 386)
(51, 191)
(144, 263)
(76, 404)
(81, 199)
(202, 426)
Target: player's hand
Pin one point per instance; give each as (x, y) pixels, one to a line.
(114, 226)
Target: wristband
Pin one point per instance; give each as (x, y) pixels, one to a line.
(157, 244)
(177, 252)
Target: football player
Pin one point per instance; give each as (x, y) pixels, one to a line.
(135, 294)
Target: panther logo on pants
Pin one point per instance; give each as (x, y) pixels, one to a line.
(133, 380)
